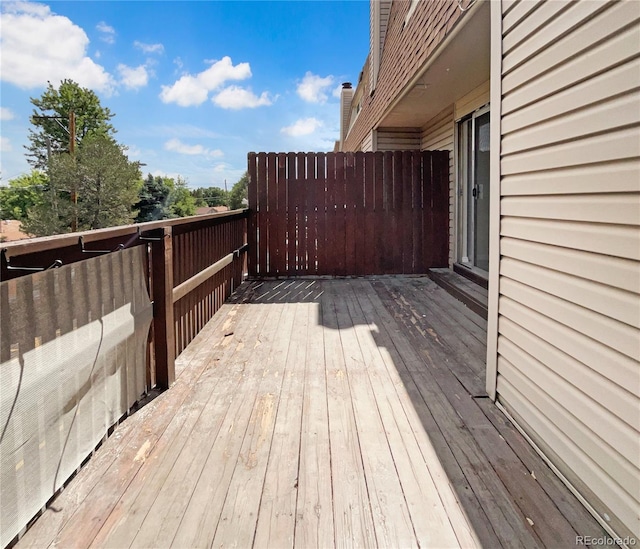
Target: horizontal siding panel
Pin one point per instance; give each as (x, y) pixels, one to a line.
(518, 13)
(508, 5)
(615, 177)
(438, 133)
(443, 141)
(543, 82)
(398, 140)
(547, 25)
(616, 399)
(445, 144)
(615, 272)
(539, 22)
(622, 79)
(445, 116)
(604, 116)
(621, 337)
(569, 273)
(619, 241)
(367, 144)
(611, 302)
(575, 463)
(475, 99)
(596, 430)
(614, 208)
(608, 362)
(617, 145)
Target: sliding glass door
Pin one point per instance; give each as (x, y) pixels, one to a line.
(473, 181)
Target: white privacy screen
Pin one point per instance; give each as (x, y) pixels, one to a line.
(73, 361)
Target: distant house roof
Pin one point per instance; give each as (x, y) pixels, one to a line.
(10, 230)
(205, 210)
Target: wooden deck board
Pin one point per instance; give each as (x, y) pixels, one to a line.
(318, 413)
(314, 509)
(392, 524)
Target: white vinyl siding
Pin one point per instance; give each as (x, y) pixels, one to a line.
(438, 135)
(378, 22)
(367, 144)
(568, 365)
(398, 139)
(472, 101)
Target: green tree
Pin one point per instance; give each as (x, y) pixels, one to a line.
(182, 203)
(51, 120)
(22, 194)
(210, 196)
(238, 196)
(153, 203)
(105, 183)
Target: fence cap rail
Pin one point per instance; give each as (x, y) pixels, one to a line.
(44, 243)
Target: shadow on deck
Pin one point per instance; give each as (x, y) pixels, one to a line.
(314, 413)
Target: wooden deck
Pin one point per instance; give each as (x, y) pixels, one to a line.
(321, 413)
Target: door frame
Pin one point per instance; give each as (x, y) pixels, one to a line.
(465, 148)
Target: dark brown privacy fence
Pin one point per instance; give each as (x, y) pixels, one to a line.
(346, 214)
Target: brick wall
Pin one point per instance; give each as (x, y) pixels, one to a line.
(406, 49)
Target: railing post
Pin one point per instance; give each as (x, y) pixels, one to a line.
(163, 329)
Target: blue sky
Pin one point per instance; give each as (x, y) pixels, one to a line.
(194, 86)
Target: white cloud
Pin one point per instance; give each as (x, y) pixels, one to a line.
(31, 8)
(6, 114)
(169, 175)
(5, 144)
(313, 87)
(235, 97)
(107, 31)
(304, 126)
(149, 48)
(188, 131)
(133, 77)
(192, 90)
(178, 146)
(133, 152)
(39, 46)
(337, 91)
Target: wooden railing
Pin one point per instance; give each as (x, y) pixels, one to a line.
(193, 265)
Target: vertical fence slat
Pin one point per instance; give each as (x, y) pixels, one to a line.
(350, 190)
(292, 200)
(406, 217)
(359, 198)
(367, 242)
(278, 256)
(340, 226)
(262, 213)
(321, 207)
(397, 215)
(417, 224)
(252, 195)
(302, 217)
